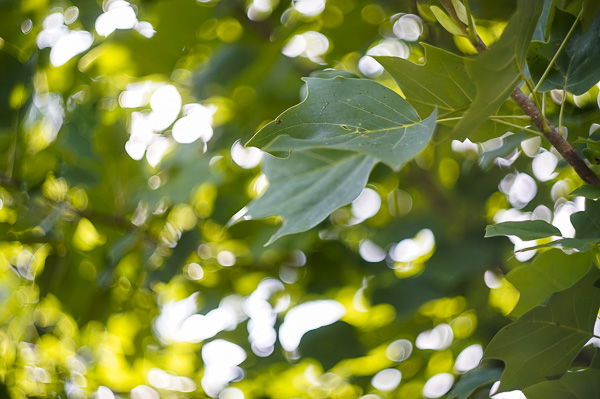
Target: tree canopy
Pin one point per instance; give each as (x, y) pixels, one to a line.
(299, 199)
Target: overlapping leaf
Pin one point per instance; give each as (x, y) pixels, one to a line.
(550, 271)
(441, 82)
(575, 68)
(306, 187)
(349, 114)
(472, 381)
(587, 227)
(580, 384)
(542, 344)
(497, 71)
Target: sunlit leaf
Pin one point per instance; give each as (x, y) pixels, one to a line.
(349, 114)
(306, 187)
(541, 344)
(525, 230)
(550, 271)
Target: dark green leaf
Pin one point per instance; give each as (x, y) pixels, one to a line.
(542, 344)
(587, 222)
(550, 271)
(574, 69)
(349, 114)
(472, 381)
(587, 191)
(497, 71)
(580, 384)
(590, 10)
(525, 230)
(306, 187)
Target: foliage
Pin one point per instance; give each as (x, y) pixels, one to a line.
(145, 252)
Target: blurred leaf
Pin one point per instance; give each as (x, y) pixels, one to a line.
(550, 271)
(525, 230)
(543, 342)
(306, 187)
(447, 22)
(331, 344)
(349, 114)
(497, 71)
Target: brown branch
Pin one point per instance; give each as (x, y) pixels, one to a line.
(562, 146)
(541, 123)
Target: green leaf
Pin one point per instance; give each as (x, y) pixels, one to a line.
(526, 230)
(441, 82)
(580, 384)
(550, 271)
(590, 10)
(447, 22)
(306, 187)
(542, 344)
(349, 114)
(472, 381)
(587, 222)
(573, 69)
(587, 191)
(461, 11)
(497, 71)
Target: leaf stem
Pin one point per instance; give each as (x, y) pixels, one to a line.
(562, 108)
(521, 117)
(560, 49)
(526, 129)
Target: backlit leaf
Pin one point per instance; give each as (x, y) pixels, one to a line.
(542, 344)
(349, 114)
(550, 271)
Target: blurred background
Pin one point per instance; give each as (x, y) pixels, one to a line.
(122, 127)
